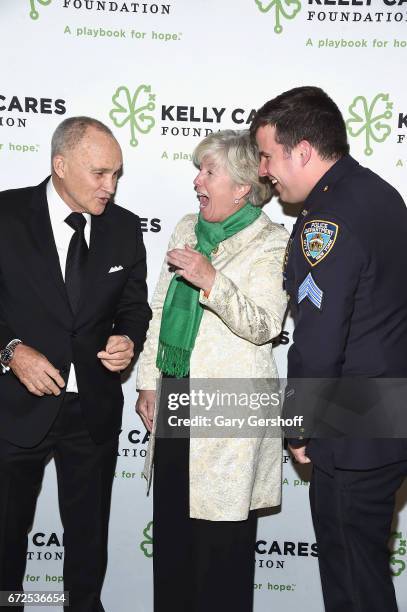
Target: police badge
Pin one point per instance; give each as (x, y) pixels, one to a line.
(317, 239)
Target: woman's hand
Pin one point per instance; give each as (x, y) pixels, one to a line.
(193, 266)
(145, 407)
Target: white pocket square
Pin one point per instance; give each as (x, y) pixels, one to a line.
(115, 269)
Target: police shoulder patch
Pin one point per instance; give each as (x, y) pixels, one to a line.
(317, 239)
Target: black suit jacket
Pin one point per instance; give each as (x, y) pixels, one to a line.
(352, 324)
(34, 307)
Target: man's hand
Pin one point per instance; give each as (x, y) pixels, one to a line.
(35, 372)
(118, 353)
(145, 407)
(193, 266)
(299, 454)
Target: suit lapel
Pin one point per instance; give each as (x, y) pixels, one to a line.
(43, 239)
(99, 255)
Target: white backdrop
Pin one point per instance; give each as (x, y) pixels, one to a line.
(162, 75)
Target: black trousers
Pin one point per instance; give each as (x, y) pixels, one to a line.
(199, 565)
(352, 513)
(85, 473)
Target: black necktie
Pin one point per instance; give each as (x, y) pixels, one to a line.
(76, 259)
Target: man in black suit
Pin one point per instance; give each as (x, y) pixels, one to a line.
(344, 272)
(73, 311)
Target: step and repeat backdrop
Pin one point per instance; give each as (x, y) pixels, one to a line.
(162, 75)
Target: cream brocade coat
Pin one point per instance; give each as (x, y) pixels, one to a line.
(244, 311)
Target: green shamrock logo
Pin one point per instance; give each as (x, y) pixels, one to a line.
(369, 119)
(133, 110)
(398, 565)
(288, 9)
(34, 14)
(147, 545)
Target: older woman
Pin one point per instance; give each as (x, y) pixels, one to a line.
(218, 304)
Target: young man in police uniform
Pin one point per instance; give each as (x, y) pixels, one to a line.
(344, 272)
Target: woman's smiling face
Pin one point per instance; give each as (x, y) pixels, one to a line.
(216, 191)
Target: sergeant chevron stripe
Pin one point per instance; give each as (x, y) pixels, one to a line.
(309, 289)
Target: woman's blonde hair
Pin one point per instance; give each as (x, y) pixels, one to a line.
(234, 150)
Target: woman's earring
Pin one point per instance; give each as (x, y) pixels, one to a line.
(236, 201)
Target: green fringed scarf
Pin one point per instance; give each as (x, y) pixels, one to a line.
(182, 311)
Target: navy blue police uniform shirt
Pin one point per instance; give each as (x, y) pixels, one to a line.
(345, 273)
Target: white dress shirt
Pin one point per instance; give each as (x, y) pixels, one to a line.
(58, 212)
